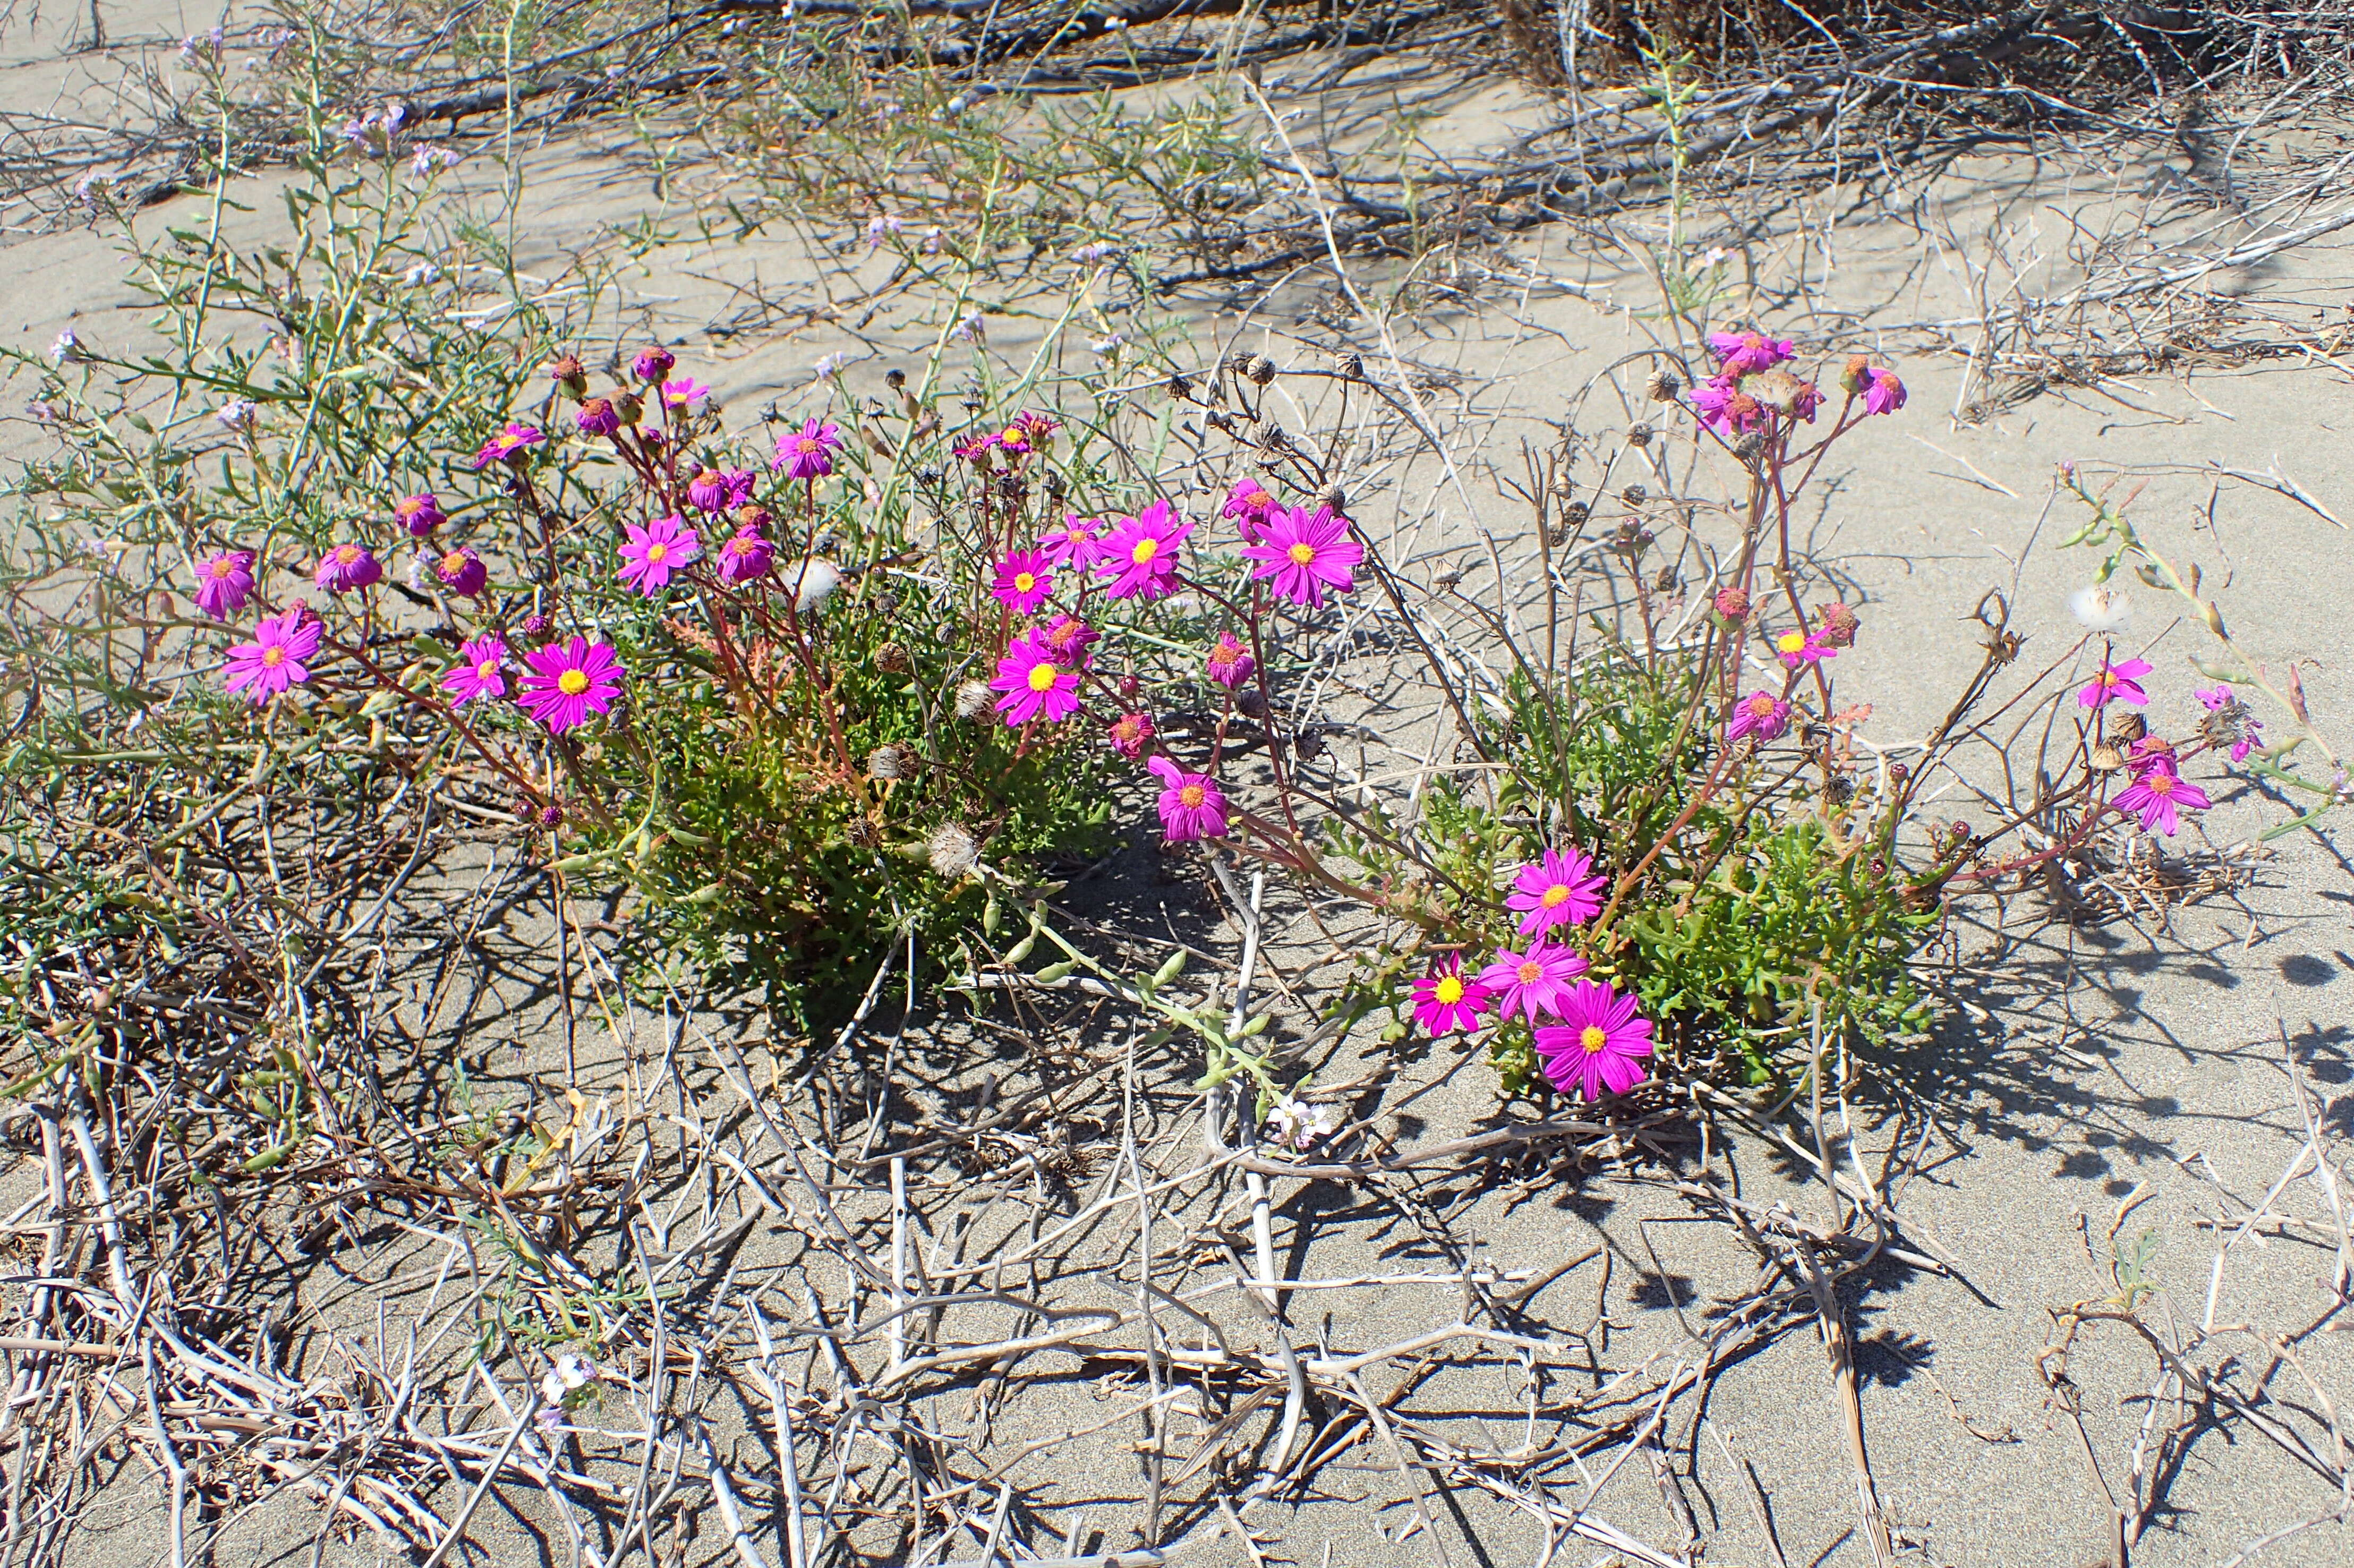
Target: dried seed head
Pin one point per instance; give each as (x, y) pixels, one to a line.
(1251, 702)
(1732, 605)
(1180, 387)
(893, 659)
(1261, 369)
(1634, 495)
(1053, 483)
(887, 763)
(1639, 435)
(951, 851)
(1333, 497)
(1668, 581)
(1663, 387)
(2126, 729)
(1750, 444)
(1839, 625)
(1309, 744)
(894, 379)
(862, 832)
(973, 699)
(2106, 757)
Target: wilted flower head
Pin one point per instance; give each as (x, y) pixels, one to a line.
(348, 566)
(1250, 506)
(1725, 408)
(511, 445)
(223, 582)
(1732, 605)
(719, 489)
(1747, 353)
(419, 514)
(1130, 734)
(1839, 625)
(745, 556)
(462, 571)
(1760, 714)
(652, 364)
(597, 416)
(1886, 395)
(566, 372)
(889, 762)
(1229, 663)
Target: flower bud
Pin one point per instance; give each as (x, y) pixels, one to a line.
(1732, 605)
(1639, 435)
(1856, 376)
(626, 404)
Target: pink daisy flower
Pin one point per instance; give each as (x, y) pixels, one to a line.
(1884, 394)
(462, 571)
(2158, 795)
(745, 556)
(683, 394)
(569, 681)
(480, 672)
(1141, 552)
(223, 582)
(1023, 581)
(2116, 683)
(1742, 354)
(1306, 552)
(1078, 543)
(1761, 713)
(1800, 648)
(808, 453)
(1445, 1001)
(1560, 889)
(1192, 804)
(1130, 734)
(277, 658)
(1725, 410)
(1250, 506)
(1599, 1044)
(656, 550)
(719, 489)
(1033, 684)
(1532, 982)
(419, 514)
(1068, 639)
(511, 445)
(1229, 663)
(652, 364)
(348, 566)
(597, 417)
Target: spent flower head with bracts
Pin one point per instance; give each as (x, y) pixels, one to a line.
(1726, 410)
(1033, 684)
(480, 672)
(1022, 581)
(1599, 1044)
(1560, 888)
(1229, 663)
(277, 659)
(597, 417)
(1141, 554)
(653, 551)
(346, 567)
(1067, 638)
(652, 364)
(1191, 805)
(419, 514)
(1532, 982)
(1446, 999)
(223, 582)
(1305, 552)
(2118, 682)
(1886, 395)
(568, 682)
(807, 454)
(1760, 714)
(719, 489)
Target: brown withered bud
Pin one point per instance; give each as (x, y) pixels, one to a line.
(1750, 444)
(2106, 757)
(566, 372)
(1251, 702)
(1634, 495)
(1663, 387)
(1333, 498)
(1180, 387)
(893, 659)
(2127, 727)
(1639, 435)
(1261, 370)
(1309, 744)
(1839, 625)
(894, 379)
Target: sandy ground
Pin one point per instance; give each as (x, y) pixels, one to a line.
(2104, 1062)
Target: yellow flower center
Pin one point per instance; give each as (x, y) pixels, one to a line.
(809, 444)
(1449, 989)
(273, 657)
(1023, 582)
(1592, 1039)
(1042, 677)
(1302, 555)
(1145, 550)
(486, 669)
(1556, 895)
(1530, 973)
(222, 568)
(2161, 784)
(657, 554)
(1761, 705)
(347, 554)
(1790, 641)
(2107, 677)
(454, 562)
(572, 683)
(1192, 795)
(1013, 435)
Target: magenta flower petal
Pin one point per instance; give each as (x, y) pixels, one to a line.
(1599, 1044)
(1229, 663)
(1446, 999)
(2116, 683)
(1192, 804)
(348, 566)
(1761, 713)
(568, 682)
(1033, 684)
(808, 453)
(223, 582)
(1532, 982)
(1560, 889)
(654, 551)
(1306, 552)
(480, 672)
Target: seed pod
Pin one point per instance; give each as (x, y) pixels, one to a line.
(893, 659)
(1634, 495)
(887, 763)
(894, 379)
(1333, 498)
(2106, 757)
(951, 851)
(1261, 370)
(1663, 387)
(1639, 435)
(1251, 702)
(1750, 444)
(1180, 387)
(1309, 744)
(2127, 727)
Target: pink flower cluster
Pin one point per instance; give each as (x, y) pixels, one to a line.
(1599, 1037)
(1751, 388)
